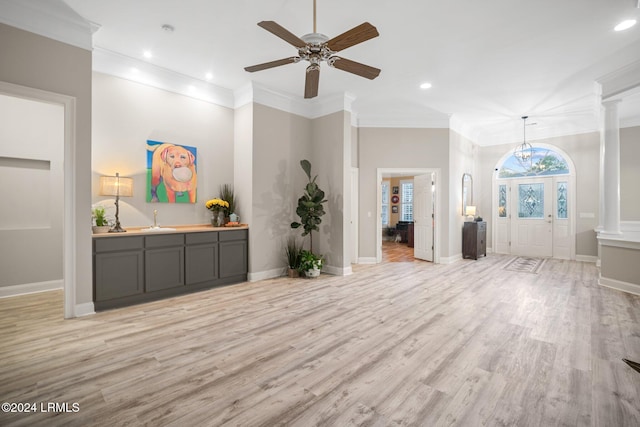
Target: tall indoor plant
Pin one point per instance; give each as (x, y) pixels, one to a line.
(310, 209)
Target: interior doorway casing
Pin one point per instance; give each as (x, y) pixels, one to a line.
(569, 178)
(437, 209)
(69, 210)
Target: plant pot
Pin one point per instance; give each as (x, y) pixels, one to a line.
(314, 272)
(293, 273)
(100, 229)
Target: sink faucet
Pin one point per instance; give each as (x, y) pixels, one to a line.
(155, 218)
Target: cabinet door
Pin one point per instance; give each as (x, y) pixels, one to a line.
(201, 263)
(118, 274)
(164, 268)
(482, 239)
(233, 258)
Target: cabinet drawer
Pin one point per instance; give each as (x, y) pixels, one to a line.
(107, 244)
(164, 240)
(482, 226)
(233, 235)
(206, 237)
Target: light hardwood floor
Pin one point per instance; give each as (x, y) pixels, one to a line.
(408, 343)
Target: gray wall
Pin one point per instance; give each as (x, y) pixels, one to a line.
(280, 141)
(42, 63)
(331, 161)
(584, 150)
(461, 154)
(630, 174)
(127, 114)
(398, 148)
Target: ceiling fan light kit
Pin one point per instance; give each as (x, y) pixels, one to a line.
(316, 47)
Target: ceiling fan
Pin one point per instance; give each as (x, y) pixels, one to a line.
(316, 47)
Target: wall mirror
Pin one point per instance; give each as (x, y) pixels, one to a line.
(467, 192)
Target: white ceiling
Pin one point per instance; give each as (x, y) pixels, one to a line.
(489, 61)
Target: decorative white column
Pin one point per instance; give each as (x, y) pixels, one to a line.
(611, 168)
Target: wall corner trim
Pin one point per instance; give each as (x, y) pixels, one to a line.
(264, 275)
(85, 309)
(619, 285)
(337, 271)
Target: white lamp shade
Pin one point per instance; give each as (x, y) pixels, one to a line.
(470, 211)
(116, 186)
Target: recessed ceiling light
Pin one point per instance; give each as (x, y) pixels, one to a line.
(168, 28)
(147, 54)
(625, 25)
(425, 85)
(208, 76)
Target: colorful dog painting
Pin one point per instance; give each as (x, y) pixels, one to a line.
(171, 173)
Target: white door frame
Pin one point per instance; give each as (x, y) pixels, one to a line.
(437, 209)
(355, 203)
(571, 180)
(69, 221)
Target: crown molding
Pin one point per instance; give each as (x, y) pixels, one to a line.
(311, 109)
(115, 64)
(620, 83)
(387, 121)
(49, 18)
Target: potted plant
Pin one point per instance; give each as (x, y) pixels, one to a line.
(310, 264)
(310, 209)
(292, 250)
(227, 194)
(99, 218)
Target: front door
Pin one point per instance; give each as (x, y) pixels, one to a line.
(532, 217)
(423, 217)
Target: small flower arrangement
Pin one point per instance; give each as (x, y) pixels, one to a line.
(216, 205)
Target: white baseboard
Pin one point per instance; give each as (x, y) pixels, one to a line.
(30, 288)
(587, 258)
(450, 259)
(367, 260)
(85, 309)
(264, 275)
(337, 271)
(619, 285)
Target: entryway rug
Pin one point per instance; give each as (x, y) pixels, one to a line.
(523, 264)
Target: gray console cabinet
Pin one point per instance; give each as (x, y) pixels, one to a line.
(133, 269)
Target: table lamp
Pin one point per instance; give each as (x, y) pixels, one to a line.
(470, 212)
(116, 186)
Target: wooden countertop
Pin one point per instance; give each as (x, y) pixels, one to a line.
(195, 228)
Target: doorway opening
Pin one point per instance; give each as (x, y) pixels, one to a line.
(408, 212)
(534, 205)
(68, 223)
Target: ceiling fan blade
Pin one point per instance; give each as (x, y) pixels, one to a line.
(312, 81)
(354, 67)
(359, 34)
(283, 33)
(272, 64)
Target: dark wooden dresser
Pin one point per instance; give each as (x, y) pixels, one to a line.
(474, 239)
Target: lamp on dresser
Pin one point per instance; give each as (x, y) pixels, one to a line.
(470, 212)
(119, 187)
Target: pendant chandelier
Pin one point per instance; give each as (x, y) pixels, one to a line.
(524, 152)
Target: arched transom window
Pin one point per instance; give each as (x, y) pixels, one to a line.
(544, 162)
